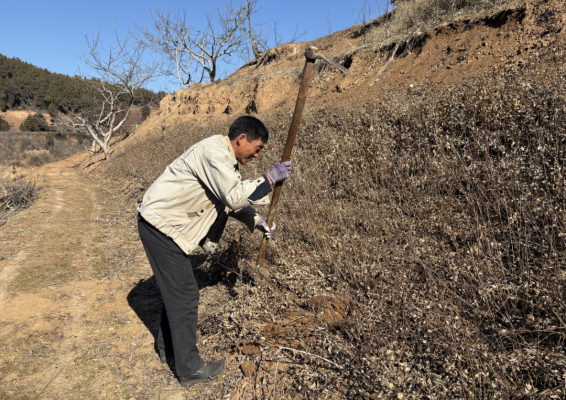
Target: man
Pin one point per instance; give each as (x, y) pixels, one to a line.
(187, 206)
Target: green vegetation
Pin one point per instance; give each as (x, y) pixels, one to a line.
(34, 123)
(53, 110)
(4, 125)
(22, 83)
(145, 112)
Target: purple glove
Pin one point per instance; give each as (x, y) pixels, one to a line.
(262, 226)
(280, 172)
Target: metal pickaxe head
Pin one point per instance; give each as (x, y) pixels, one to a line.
(313, 54)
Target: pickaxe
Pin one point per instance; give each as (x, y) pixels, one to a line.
(311, 55)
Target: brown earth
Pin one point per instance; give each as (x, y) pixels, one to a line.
(442, 56)
(80, 307)
(16, 117)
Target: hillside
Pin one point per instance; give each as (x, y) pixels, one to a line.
(424, 220)
(26, 90)
(443, 56)
(421, 249)
(25, 85)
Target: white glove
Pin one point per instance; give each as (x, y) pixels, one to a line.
(262, 226)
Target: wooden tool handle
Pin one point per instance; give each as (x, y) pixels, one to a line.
(301, 99)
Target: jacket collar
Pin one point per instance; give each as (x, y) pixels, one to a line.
(230, 147)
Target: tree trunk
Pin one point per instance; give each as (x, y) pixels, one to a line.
(106, 151)
(255, 48)
(212, 72)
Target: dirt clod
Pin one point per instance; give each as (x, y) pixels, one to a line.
(248, 368)
(250, 349)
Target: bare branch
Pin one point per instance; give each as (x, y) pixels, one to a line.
(190, 51)
(179, 42)
(119, 72)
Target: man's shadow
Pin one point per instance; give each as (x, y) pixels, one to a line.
(145, 298)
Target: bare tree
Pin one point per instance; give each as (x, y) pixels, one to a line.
(363, 16)
(118, 73)
(278, 39)
(167, 36)
(258, 37)
(257, 34)
(191, 51)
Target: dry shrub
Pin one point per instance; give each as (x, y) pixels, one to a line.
(35, 149)
(441, 212)
(16, 195)
(419, 16)
(444, 214)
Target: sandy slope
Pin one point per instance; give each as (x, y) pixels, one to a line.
(443, 56)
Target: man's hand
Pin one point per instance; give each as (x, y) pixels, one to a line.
(279, 172)
(262, 226)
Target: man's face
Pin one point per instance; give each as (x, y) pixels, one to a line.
(246, 151)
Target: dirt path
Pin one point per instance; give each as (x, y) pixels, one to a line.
(80, 306)
(72, 323)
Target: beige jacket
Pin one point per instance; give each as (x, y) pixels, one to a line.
(201, 188)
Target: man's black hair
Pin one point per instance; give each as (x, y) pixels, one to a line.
(251, 126)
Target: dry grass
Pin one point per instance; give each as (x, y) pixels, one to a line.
(16, 195)
(412, 19)
(36, 149)
(441, 213)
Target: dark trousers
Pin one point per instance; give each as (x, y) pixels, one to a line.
(179, 289)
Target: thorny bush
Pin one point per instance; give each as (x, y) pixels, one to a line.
(441, 212)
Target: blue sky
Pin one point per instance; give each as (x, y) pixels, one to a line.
(50, 34)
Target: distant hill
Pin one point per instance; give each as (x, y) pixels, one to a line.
(22, 84)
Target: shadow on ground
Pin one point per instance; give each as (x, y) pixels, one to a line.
(145, 298)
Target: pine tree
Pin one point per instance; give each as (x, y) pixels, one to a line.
(34, 123)
(4, 125)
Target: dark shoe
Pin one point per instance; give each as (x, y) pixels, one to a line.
(209, 371)
(166, 357)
